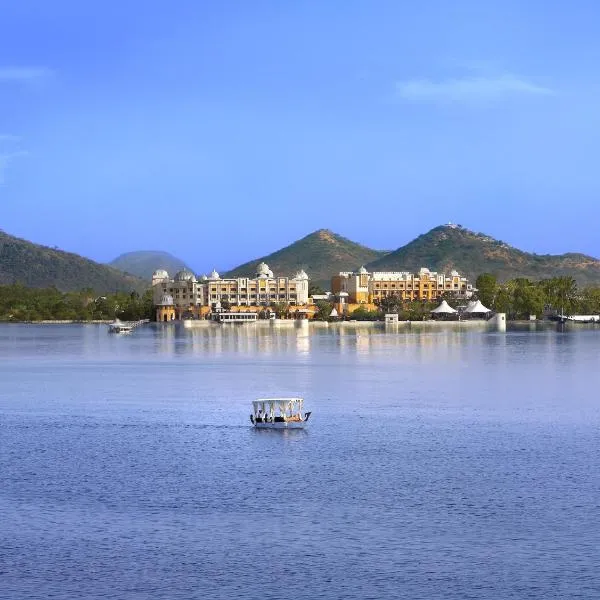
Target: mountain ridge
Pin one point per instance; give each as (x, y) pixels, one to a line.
(448, 247)
(321, 254)
(37, 266)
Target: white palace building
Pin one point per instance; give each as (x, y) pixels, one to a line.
(186, 296)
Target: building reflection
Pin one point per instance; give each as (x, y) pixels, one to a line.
(268, 339)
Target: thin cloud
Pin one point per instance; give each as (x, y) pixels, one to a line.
(6, 160)
(7, 137)
(469, 90)
(23, 74)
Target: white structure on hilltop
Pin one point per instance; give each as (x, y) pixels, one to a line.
(190, 295)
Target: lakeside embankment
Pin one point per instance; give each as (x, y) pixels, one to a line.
(60, 322)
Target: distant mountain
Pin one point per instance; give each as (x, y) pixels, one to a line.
(321, 254)
(39, 266)
(453, 247)
(144, 262)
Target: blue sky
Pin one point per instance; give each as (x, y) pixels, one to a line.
(221, 131)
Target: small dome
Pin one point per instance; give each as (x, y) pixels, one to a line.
(185, 276)
(166, 300)
(204, 278)
(454, 273)
(362, 271)
(263, 270)
(160, 274)
(301, 275)
(214, 275)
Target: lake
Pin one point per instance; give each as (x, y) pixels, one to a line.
(441, 463)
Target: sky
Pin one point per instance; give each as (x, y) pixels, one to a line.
(222, 131)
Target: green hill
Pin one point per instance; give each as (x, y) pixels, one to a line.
(321, 254)
(453, 247)
(38, 266)
(144, 262)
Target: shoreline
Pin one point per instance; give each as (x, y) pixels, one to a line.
(58, 322)
(289, 323)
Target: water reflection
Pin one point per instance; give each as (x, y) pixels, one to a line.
(453, 343)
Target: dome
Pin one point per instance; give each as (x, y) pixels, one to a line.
(362, 271)
(166, 300)
(301, 275)
(185, 276)
(204, 278)
(160, 274)
(263, 270)
(214, 275)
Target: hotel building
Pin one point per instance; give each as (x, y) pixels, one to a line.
(185, 296)
(363, 287)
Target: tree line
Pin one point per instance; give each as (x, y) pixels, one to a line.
(20, 303)
(519, 298)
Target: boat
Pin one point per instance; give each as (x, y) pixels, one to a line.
(562, 318)
(119, 327)
(234, 317)
(279, 413)
(582, 319)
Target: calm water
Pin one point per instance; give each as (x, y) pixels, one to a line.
(438, 465)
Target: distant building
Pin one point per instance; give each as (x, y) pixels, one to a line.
(194, 298)
(363, 287)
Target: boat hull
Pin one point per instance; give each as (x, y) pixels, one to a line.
(281, 425)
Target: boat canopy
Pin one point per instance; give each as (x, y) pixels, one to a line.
(284, 405)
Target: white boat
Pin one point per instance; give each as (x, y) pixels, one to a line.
(562, 318)
(279, 413)
(119, 327)
(583, 318)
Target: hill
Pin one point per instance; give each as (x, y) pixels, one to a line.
(39, 266)
(453, 247)
(321, 254)
(144, 262)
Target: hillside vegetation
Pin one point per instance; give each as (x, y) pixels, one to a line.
(321, 254)
(453, 247)
(37, 266)
(19, 303)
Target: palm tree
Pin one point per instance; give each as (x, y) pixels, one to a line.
(561, 292)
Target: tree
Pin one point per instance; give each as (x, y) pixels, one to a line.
(503, 302)
(324, 309)
(561, 293)
(528, 298)
(313, 289)
(362, 314)
(589, 301)
(390, 304)
(281, 309)
(487, 288)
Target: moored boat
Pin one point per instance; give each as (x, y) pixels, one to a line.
(118, 326)
(279, 413)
